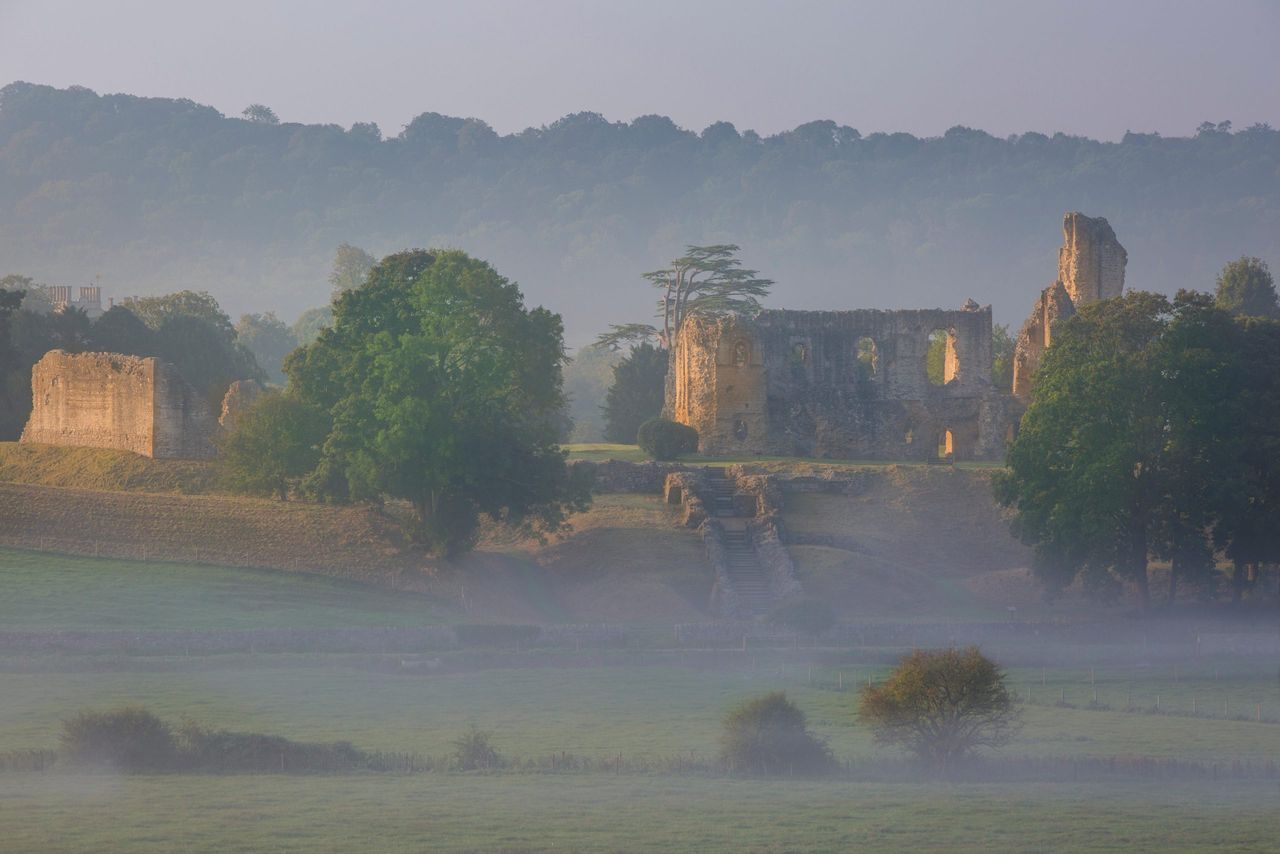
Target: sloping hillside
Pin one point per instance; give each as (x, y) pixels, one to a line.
(100, 468)
(925, 540)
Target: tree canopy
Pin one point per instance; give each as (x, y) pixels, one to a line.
(155, 191)
(636, 394)
(1245, 286)
(1148, 434)
(442, 389)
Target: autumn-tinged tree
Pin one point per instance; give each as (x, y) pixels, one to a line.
(942, 705)
(351, 265)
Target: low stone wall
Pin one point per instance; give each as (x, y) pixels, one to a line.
(622, 476)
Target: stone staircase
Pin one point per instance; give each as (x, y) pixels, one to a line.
(747, 574)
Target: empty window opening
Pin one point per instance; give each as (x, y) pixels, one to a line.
(740, 429)
(867, 359)
(799, 353)
(941, 363)
(909, 437)
(741, 354)
(946, 445)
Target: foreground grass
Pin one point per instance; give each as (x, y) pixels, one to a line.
(601, 812)
(41, 591)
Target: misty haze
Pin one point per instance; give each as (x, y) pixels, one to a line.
(636, 426)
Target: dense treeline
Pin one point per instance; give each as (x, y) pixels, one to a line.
(162, 194)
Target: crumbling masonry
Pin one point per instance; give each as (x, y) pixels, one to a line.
(106, 400)
(855, 384)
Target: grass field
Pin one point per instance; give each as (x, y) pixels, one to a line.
(51, 591)
(600, 451)
(604, 813)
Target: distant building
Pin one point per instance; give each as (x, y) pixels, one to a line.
(89, 300)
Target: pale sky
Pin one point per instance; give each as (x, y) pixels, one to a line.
(1083, 67)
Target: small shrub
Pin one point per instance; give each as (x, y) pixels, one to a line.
(769, 735)
(666, 440)
(805, 616)
(222, 751)
(126, 739)
(474, 751)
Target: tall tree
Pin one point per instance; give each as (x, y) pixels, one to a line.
(273, 444)
(1248, 526)
(1084, 473)
(636, 394)
(154, 311)
(261, 114)
(1245, 286)
(205, 356)
(351, 265)
(119, 330)
(706, 280)
(269, 340)
(441, 386)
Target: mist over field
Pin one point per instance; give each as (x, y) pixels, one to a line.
(155, 195)
(741, 425)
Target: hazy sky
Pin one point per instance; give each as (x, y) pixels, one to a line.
(1087, 67)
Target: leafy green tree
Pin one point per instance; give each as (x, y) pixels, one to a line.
(770, 735)
(935, 358)
(119, 330)
(269, 340)
(308, 325)
(1248, 523)
(440, 384)
(206, 356)
(1002, 347)
(261, 114)
(706, 280)
(636, 393)
(942, 705)
(351, 265)
(154, 311)
(1245, 286)
(1084, 473)
(15, 379)
(1200, 389)
(587, 378)
(274, 443)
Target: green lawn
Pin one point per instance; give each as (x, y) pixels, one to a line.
(51, 591)
(606, 813)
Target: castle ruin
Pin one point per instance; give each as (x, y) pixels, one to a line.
(856, 384)
(1091, 266)
(106, 400)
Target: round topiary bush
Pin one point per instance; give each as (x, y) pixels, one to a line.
(769, 735)
(666, 440)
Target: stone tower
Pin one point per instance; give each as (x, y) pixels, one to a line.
(1091, 261)
(1090, 268)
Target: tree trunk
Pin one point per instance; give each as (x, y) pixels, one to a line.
(1238, 581)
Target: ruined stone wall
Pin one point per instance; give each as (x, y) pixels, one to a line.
(106, 400)
(1091, 266)
(850, 384)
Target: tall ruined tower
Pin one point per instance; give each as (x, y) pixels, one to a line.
(1091, 261)
(1091, 266)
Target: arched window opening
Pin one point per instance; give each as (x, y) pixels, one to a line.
(799, 353)
(946, 445)
(940, 362)
(740, 429)
(867, 358)
(909, 437)
(741, 353)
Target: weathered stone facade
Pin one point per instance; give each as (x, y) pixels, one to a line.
(1091, 266)
(840, 384)
(106, 400)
